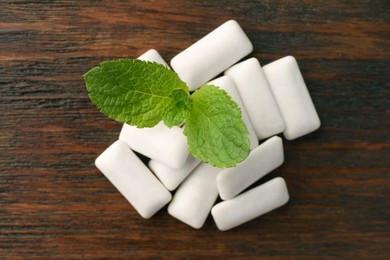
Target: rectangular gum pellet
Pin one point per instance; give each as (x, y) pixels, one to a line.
(262, 160)
(250, 204)
(196, 196)
(292, 96)
(153, 55)
(161, 143)
(168, 146)
(133, 179)
(171, 178)
(212, 54)
(257, 97)
(227, 84)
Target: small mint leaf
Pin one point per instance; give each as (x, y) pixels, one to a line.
(133, 91)
(177, 110)
(215, 131)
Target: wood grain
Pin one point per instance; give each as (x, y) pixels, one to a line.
(55, 203)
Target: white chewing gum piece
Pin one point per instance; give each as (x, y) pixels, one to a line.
(171, 178)
(168, 146)
(292, 96)
(212, 54)
(260, 161)
(161, 143)
(133, 179)
(227, 84)
(196, 196)
(257, 97)
(153, 55)
(250, 204)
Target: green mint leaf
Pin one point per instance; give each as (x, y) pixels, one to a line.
(215, 131)
(133, 91)
(177, 110)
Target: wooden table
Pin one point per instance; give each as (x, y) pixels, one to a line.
(55, 203)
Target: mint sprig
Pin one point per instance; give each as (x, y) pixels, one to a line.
(178, 108)
(214, 128)
(142, 94)
(133, 91)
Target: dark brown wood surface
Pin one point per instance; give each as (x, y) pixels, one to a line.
(55, 203)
